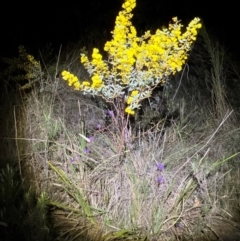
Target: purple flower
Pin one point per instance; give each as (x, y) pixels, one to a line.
(111, 113)
(91, 138)
(86, 150)
(179, 225)
(160, 180)
(71, 159)
(99, 126)
(160, 166)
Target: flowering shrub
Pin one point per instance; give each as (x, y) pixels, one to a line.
(29, 65)
(135, 65)
(23, 68)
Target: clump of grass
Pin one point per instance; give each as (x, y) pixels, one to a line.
(24, 214)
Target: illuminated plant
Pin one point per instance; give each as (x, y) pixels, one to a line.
(135, 65)
(23, 69)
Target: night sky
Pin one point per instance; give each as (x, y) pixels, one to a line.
(35, 24)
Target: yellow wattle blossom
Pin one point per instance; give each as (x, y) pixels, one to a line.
(129, 111)
(136, 63)
(129, 100)
(71, 79)
(134, 92)
(129, 5)
(31, 67)
(85, 83)
(96, 81)
(84, 59)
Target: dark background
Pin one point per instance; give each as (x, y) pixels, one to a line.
(36, 24)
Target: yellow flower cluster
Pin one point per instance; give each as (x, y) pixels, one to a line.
(129, 111)
(101, 68)
(137, 63)
(72, 80)
(33, 61)
(130, 99)
(96, 81)
(30, 65)
(129, 5)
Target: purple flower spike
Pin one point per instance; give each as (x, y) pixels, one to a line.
(86, 151)
(111, 113)
(160, 166)
(160, 180)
